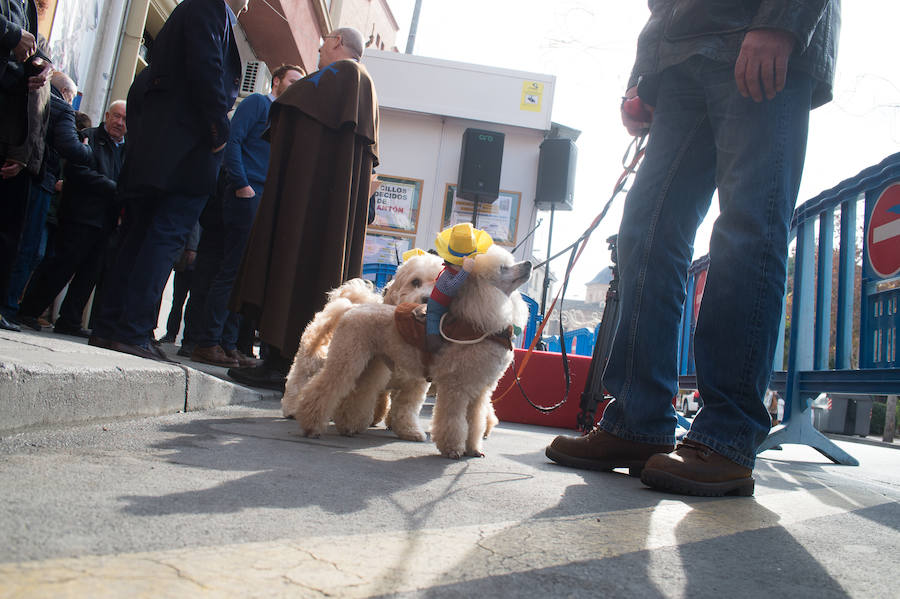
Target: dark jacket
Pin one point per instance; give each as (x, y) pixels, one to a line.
(89, 192)
(193, 79)
(23, 114)
(14, 17)
(679, 29)
(62, 141)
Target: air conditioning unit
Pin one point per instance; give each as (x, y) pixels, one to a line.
(256, 79)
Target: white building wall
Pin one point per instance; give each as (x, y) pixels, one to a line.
(425, 107)
(427, 147)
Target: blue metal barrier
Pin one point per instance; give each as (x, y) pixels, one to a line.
(378, 273)
(534, 321)
(812, 368)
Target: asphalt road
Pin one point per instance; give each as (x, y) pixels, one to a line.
(233, 502)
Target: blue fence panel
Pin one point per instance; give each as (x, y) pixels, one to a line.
(812, 367)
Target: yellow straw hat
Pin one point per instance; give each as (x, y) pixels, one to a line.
(461, 241)
(413, 253)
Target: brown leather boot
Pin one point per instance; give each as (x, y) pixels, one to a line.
(695, 469)
(213, 355)
(599, 450)
(242, 358)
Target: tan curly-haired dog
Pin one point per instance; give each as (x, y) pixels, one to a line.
(412, 282)
(366, 344)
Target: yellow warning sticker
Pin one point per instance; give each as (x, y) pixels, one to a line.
(532, 92)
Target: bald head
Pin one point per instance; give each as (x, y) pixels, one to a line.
(341, 44)
(64, 85)
(352, 41)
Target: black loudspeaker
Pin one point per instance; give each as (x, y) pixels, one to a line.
(479, 165)
(556, 174)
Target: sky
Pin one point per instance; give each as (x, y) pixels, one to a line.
(589, 46)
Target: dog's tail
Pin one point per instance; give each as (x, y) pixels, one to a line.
(319, 331)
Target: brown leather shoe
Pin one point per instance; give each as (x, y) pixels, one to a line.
(213, 355)
(599, 450)
(242, 359)
(695, 469)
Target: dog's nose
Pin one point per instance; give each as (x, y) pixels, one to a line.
(424, 299)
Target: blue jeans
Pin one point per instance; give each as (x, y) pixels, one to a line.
(31, 246)
(220, 325)
(706, 136)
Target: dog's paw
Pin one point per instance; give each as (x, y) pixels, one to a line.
(474, 453)
(453, 455)
(411, 435)
(312, 434)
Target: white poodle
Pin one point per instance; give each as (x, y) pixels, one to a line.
(412, 282)
(366, 343)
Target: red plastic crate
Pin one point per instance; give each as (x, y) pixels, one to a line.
(545, 383)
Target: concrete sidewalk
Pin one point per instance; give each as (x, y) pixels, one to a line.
(51, 380)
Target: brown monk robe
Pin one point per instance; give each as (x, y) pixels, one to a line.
(310, 228)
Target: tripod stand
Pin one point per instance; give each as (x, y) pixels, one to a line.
(593, 386)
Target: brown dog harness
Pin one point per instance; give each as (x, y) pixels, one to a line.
(409, 319)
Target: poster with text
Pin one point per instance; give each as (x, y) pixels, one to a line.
(385, 249)
(397, 204)
(500, 219)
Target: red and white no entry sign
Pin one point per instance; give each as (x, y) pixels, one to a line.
(883, 234)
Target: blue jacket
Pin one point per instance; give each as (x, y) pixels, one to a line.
(247, 153)
(193, 79)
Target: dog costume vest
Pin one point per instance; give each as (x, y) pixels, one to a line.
(409, 318)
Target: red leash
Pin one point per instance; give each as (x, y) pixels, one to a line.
(637, 145)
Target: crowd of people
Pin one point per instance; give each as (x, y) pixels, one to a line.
(175, 183)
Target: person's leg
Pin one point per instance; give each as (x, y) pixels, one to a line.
(139, 210)
(74, 243)
(669, 198)
(71, 312)
(180, 287)
(171, 222)
(237, 217)
(13, 208)
(30, 247)
(209, 257)
(760, 153)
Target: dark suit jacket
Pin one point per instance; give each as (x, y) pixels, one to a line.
(89, 192)
(62, 141)
(195, 71)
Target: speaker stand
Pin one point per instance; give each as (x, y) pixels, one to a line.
(547, 266)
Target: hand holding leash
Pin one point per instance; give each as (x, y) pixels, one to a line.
(636, 116)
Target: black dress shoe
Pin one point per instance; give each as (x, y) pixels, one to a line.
(99, 341)
(261, 376)
(9, 326)
(72, 331)
(167, 338)
(134, 350)
(186, 349)
(30, 321)
(160, 354)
